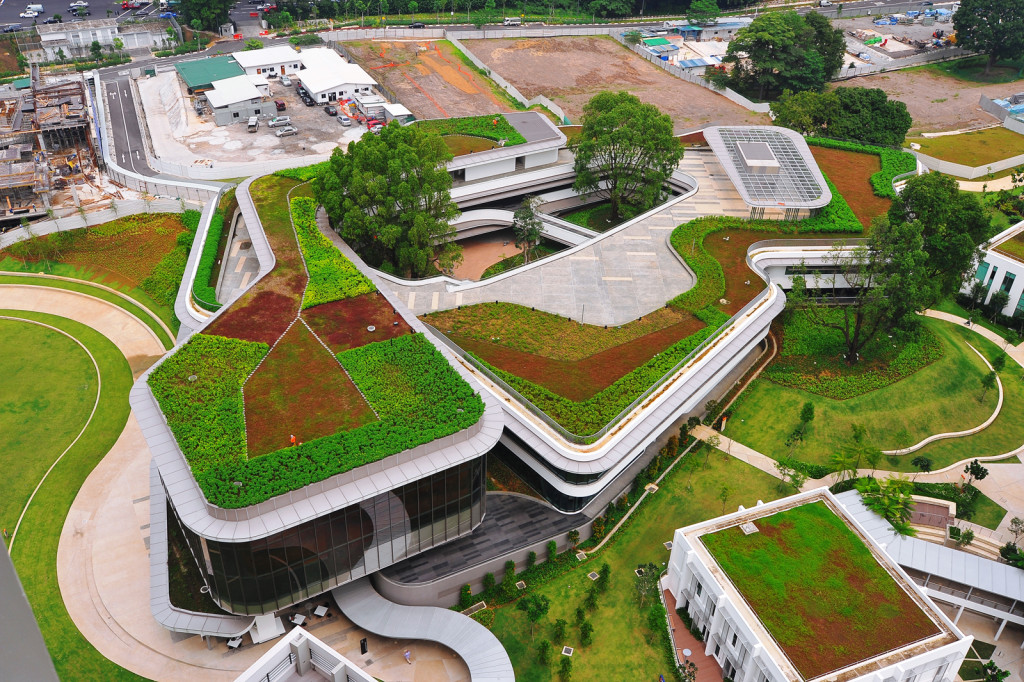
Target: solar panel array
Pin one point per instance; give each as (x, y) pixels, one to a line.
(795, 183)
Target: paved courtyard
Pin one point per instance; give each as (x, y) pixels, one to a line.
(625, 274)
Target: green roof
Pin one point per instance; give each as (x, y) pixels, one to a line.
(22, 83)
(656, 41)
(200, 73)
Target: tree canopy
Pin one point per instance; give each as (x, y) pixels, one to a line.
(784, 51)
(953, 225)
(703, 12)
(863, 114)
(630, 146)
(389, 197)
(209, 13)
(992, 27)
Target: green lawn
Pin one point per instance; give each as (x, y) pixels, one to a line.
(35, 554)
(972, 70)
(597, 217)
(953, 308)
(940, 397)
(987, 512)
(973, 149)
(85, 287)
(50, 387)
(623, 646)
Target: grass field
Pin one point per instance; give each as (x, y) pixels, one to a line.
(818, 589)
(953, 308)
(938, 398)
(973, 149)
(972, 70)
(987, 512)
(145, 314)
(597, 217)
(624, 648)
(35, 552)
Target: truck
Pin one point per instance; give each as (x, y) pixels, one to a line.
(512, 21)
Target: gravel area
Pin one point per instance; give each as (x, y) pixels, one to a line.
(571, 70)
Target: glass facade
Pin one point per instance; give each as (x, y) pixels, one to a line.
(262, 576)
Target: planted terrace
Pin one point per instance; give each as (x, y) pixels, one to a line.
(311, 351)
(818, 589)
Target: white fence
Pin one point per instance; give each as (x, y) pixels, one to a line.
(968, 172)
(213, 171)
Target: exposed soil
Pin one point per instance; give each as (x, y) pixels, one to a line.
(428, 78)
(731, 253)
(301, 390)
(571, 70)
(483, 251)
(579, 380)
(343, 324)
(850, 172)
(936, 101)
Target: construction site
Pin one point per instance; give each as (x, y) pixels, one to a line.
(46, 149)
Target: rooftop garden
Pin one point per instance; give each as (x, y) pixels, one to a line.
(583, 376)
(973, 149)
(495, 127)
(818, 589)
(309, 374)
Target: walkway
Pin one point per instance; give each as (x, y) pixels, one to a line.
(475, 644)
(134, 338)
(708, 669)
(1015, 352)
(612, 280)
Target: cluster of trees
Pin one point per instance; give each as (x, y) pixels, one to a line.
(625, 152)
(205, 15)
(915, 256)
(389, 197)
(992, 27)
(862, 114)
(1011, 551)
(783, 51)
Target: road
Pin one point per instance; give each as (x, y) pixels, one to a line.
(129, 150)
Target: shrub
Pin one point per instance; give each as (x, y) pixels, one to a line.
(202, 292)
(332, 276)
(488, 581)
(552, 550)
(466, 597)
(531, 560)
(894, 162)
(305, 173)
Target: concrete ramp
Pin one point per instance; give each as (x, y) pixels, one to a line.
(482, 220)
(475, 644)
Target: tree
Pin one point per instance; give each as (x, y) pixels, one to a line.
(118, 45)
(999, 300)
(413, 7)
(954, 224)
(923, 464)
(586, 633)
(632, 37)
(544, 652)
(388, 197)
(565, 669)
(992, 27)
(807, 413)
(61, 57)
(526, 226)
(829, 42)
(849, 113)
(990, 671)
(488, 581)
(788, 474)
(1016, 529)
(688, 671)
(988, 382)
(205, 14)
(535, 606)
(603, 578)
(96, 50)
(891, 499)
(590, 601)
(645, 583)
(253, 44)
(724, 495)
(626, 152)
(964, 538)
(703, 12)
(573, 537)
(975, 472)
(889, 280)
(711, 444)
(558, 630)
(552, 550)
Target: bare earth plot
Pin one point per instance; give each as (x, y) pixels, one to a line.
(427, 78)
(935, 101)
(571, 70)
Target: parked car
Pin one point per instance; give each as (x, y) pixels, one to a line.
(331, 110)
(286, 131)
(279, 103)
(376, 128)
(168, 15)
(13, 28)
(280, 121)
(308, 101)
(345, 121)
(29, 14)
(52, 20)
(78, 3)
(370, 122)
(417, 24)
(286, 81)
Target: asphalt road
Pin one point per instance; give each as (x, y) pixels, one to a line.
(129, 150)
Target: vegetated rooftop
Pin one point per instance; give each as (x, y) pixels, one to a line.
(309, 374)
(818, 589)
(495, 127)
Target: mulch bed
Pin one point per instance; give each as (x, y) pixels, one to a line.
(300, 389)
(732, 255)
(579, 380)
(850, 172)
(342, 324)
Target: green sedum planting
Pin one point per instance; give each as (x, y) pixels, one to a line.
(589, 416)
(332, 277)
(202, 293)
(495, 128)
(894, 162)
(206, 414)
(418, 396)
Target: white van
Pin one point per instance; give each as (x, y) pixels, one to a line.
(254, 124)
(34, 8)
(513, 21)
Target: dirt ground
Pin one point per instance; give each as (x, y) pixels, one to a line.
(936, 101)
(571, 70)
(851, 173)
(427, 78)
(483, 251)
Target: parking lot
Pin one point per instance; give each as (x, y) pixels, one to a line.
(180, 136)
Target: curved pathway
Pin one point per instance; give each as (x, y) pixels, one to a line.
(139, 343)
(475, 644)
(623, 274)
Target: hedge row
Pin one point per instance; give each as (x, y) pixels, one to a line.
(303, 174)
(417, 394)
(491, 127)
(589, 416)
(894, 162)
(332, 277)
(202, 293)
(206, 414)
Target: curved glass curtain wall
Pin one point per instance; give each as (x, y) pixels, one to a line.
(262, 576)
